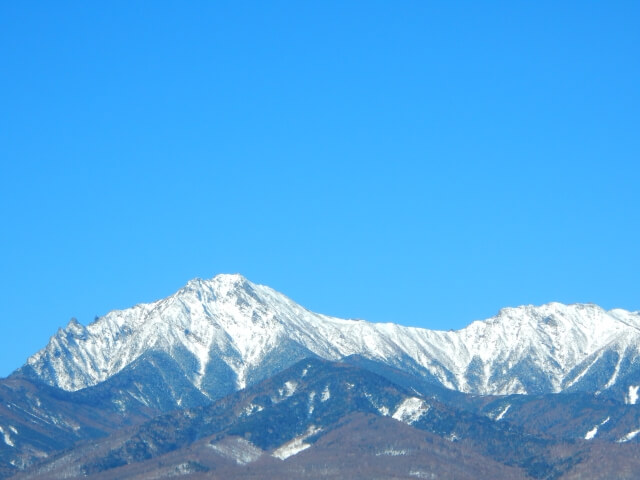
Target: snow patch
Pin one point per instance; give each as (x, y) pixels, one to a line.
(594, 431)
(502, 413)
(7, 437)
(251, 409)
(237, 449)
(629, 436)
(614, 376)
(181, 469)
(384, 411)
(391, 452)
(290, 388)
(583, 372)
(421, 474)
(632, 396)
(120, 404)
(201, 352)
(296, 445)
(139, 398)
(312, 397)
(326, 394)
(591, 433)
(410, 410)
(290, 449)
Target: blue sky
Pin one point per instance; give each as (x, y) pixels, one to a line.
(425, 163)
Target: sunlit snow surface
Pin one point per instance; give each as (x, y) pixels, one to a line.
(410, 410)
(591, 433)
(391, 452)
(7, 437)
(296, 445)
(502, 413)
(382, 409)
(237, 449)
(629, 436)
(231, 320)
(326, 394)
(594, 431)
(251, 409)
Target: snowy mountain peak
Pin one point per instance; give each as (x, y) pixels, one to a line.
(225, 333)
(579, 312)
(225, 281)
(74, 328)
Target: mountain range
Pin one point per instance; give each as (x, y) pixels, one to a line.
(230, 379)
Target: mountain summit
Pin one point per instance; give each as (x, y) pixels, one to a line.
(223, 334)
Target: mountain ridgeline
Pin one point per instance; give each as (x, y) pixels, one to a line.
(216, 336)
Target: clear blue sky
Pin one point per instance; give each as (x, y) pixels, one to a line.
(419, 162)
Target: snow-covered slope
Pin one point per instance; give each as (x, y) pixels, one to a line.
(227, 332)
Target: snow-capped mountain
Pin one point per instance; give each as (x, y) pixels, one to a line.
(226, 333)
